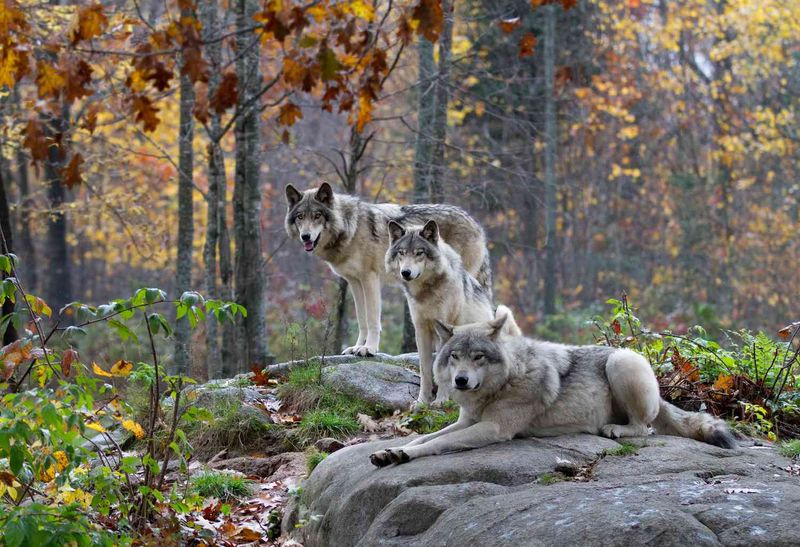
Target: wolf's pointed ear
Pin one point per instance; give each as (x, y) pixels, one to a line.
(396, 231)
(324, 194)
(430, 231)
(496, 324)
(293, 197)
(443, 330)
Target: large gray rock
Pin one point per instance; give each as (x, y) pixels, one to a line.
(390, 386)
(673, 492)
(408, 360)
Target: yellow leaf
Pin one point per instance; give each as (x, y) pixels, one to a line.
(362, 9)
(364, 112)
(49, 80)
(97, 427)
(100, 372)
(8, 68)
(318, 12)
(121, 368)
(133, 427)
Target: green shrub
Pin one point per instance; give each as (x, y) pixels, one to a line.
(222, 486)
(790, 449)
(315, 457)
(325, 423)
(427, 419)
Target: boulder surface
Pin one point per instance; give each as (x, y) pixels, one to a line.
(389, 386)
(672, 491)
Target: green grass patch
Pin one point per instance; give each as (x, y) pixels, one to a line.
(327, 411)
(624, 449)
(315, 457)
(235, 427)
(427, 420)
(325, 423)
(221, 486)
(790, 449)
(550, 478)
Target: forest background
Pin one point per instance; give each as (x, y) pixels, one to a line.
(641, 147)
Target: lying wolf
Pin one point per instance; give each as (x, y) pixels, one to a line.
(351, 236)
(437, 288)
(518, 387)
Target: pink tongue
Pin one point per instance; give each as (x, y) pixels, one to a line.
(308, 245)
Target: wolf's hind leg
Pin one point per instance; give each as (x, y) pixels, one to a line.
(635, 390)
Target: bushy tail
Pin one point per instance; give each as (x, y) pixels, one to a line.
(484, 275)
(510, 327)
(700, 426)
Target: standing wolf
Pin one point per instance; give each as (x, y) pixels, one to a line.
(351, 236)
(518, 387)
(437, 288)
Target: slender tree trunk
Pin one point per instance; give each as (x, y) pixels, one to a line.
(185, 220)
(423, 148)
(250, 279)
(550, 162)
(26, 249)
(423, 153)
(58, 282)
(432, 105)
(439, 125)
(7, 247)
(209, 18)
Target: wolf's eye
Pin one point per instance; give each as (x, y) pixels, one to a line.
(454, 356)
(401, 252)
(419, 252)
(317, 215)
(300, 216)
(477, 356)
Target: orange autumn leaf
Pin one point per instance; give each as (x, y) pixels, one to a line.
(49, 80)
(289, 114)
(526, 45)
(509, 25)
(724, 382)
(71, 174)
(90, 23)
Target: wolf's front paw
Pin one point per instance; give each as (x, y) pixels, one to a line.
(382, 458)
(612, 431)
(364, 351)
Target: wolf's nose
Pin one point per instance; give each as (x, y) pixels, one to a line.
(406, 274)
(461, 381)
(305, 237)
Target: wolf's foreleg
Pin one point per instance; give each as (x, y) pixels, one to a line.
(357, 290)
(372, 298)
(474, 436)
(462, 423)
(424, 339)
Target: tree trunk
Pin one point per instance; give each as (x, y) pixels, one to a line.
(185, 220)
(7, 247)
(431, 131)
(26, 249)
(209, 17)
(550, 162)
(249, 269)
(439, 126)
(58, 281)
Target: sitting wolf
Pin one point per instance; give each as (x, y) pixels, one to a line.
(351, 236)
(437, 288)
(518, 387)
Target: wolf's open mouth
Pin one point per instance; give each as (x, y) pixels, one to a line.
(309, 245)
